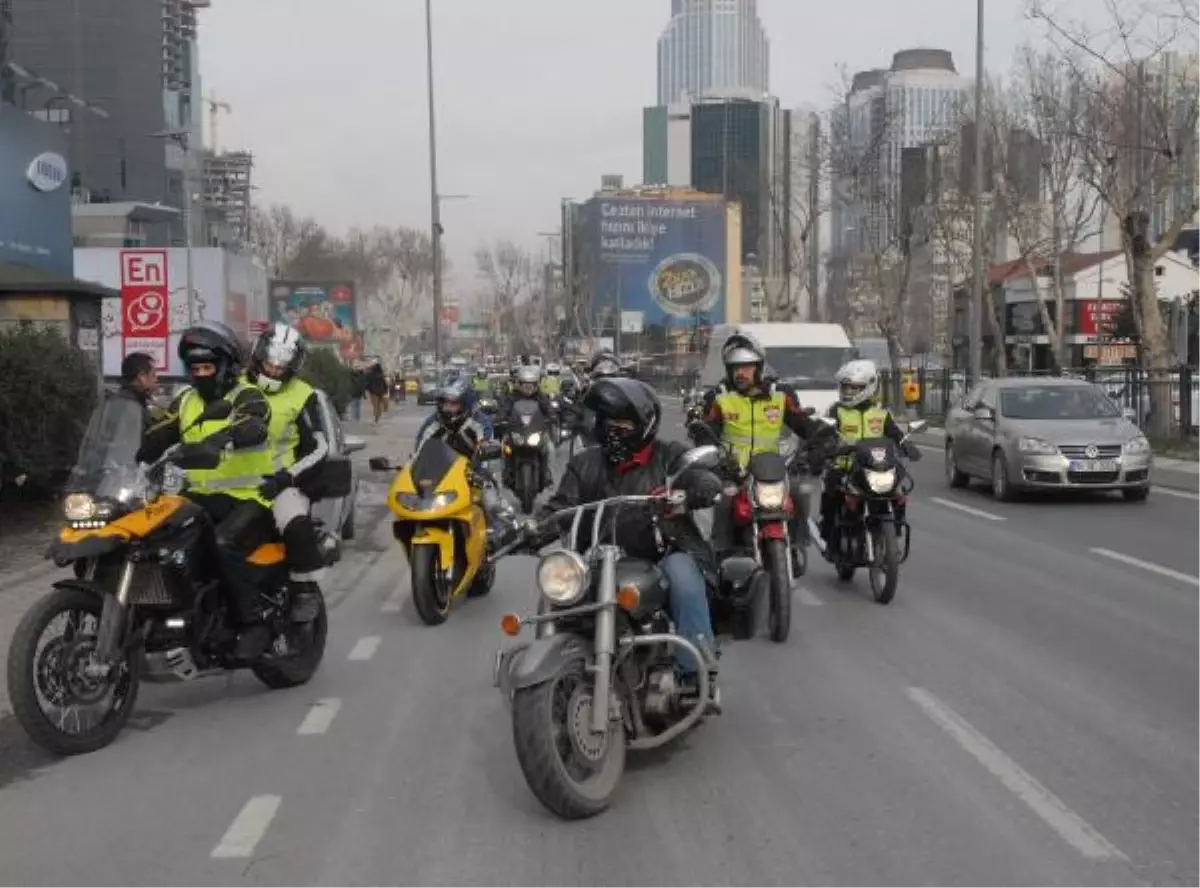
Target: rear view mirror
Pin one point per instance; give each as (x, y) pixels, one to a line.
(985, 413)
(354, 444)
(379, 464)
(810, 411)
(917, 426)
(705, 456)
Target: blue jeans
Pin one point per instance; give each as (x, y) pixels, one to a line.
(356, 409)
(688, 598)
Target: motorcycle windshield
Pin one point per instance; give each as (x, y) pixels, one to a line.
(875, 453)
(433, 462)
(107, 466)
(527, 415)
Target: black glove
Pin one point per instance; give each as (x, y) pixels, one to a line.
(912, 451)
(275, 484)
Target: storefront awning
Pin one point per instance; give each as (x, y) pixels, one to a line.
(16, 278)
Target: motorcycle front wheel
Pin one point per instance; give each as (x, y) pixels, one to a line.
(571, 770)
(62, 702)
(430, 589)
(779, 612)
(526, 487)
(885, 572)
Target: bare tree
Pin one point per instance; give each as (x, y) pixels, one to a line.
(393, 269)
(1138, 140)
(279, 236)
(506, 271)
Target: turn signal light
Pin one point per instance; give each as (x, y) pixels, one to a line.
(628, 597)
(510, 625)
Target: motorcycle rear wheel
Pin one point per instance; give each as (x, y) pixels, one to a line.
(550, 725)
(298, 668)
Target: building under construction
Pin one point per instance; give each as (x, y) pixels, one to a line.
(225, 195)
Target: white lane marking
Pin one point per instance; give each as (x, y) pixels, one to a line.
(1169, 491)
(978, 513)
(807, 596)
(248, 827)
(1148, 565)
(365, 648)
(1073, 829)
(320, 717)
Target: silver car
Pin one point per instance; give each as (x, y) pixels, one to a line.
(337, 515)
(1045, 434)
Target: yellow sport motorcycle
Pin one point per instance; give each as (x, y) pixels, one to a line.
(146, 601)
(440, 521)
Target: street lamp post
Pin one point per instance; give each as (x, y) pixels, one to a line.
(435, 208)
(975, 307)
(182, 138)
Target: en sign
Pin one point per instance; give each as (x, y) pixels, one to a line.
(145, 307)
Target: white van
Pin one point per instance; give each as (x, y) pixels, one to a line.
(805, 356)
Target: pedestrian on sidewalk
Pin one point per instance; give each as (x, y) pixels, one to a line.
(358, 391)
(377, 387)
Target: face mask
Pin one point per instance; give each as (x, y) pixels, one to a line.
(617, 444)
(207, 387)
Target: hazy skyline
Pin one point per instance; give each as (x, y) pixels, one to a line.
(536, 99)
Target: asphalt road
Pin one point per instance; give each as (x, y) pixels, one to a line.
(1025, 712)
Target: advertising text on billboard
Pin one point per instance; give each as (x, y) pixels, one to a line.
(145, 315)
(323, 313)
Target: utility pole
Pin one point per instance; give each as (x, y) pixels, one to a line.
(8, 86)
(975, 312)
(435, 208)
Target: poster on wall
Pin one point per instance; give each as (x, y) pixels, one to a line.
(325, 313)
(145, 316)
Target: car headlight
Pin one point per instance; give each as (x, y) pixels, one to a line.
(1137, 445)
(881, 482)
(562, 577)
(79, 507)
(1036, 445)
(770, 496)
(534, 440)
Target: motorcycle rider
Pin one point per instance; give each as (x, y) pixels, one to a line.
(552, 382)
(481, 383)
(299, 448)
(748, 413)
(527, 388)
(858, 415)
(631, 460)
(212, 357)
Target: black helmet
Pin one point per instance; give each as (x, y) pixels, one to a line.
(604, 364)
(211, 342)
(617, 398)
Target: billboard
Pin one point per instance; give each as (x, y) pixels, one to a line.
(658, 269)
(325, 313)
(145, 305)
(35, 193)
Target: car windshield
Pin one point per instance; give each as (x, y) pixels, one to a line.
(809, 367)
(107, 463)
(1057, 402)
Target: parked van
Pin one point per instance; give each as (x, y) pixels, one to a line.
(805, 356)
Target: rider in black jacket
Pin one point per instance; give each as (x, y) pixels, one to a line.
(628, 461)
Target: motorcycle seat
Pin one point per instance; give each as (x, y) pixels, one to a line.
(267, 555)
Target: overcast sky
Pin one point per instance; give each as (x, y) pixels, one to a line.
(535, 98)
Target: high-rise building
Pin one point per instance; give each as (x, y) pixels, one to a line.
(136, 60)
(712, 46)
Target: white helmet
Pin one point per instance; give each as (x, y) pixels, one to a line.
(857, 382)
(553, 369)
(529, 375)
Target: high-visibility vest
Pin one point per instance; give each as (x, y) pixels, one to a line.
(284, 435)
(551, 385)
(241, 471)
(751, 425)
(857, 423)
(482, 385)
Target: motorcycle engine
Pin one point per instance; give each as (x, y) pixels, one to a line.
(662, 692)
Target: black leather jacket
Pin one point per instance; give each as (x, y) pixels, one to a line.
(590, 477)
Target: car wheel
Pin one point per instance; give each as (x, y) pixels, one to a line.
(1001, 486)
(954, 477)
(348, 525)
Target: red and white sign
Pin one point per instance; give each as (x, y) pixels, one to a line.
(1097, 317)
(145, 306)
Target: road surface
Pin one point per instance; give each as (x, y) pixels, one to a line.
(1025, 712)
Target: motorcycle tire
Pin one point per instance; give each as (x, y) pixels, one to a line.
(779, 610)
(23, 669)
(885, 573)
(537, 722)
(298, 668)
(526, 487)
(482, 584)
(431, 601)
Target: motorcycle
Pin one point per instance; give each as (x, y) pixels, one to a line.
(872, 514)
(145, 602)
(436, 499)
(525, 438)
(598, 679)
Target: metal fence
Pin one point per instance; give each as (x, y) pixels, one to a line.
(939, 390)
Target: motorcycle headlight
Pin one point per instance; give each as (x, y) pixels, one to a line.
(770, 496)
(562, 577)
(881, 482)
(416, 502)
(79, 507)
(534, 440)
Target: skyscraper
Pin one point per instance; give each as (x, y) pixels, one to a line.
(712, 47)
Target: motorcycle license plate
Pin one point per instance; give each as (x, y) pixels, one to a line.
(1093, 465)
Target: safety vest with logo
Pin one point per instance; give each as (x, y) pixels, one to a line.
(751, 425)
(483, 384)
(551, 385)
(284, 430)
(912, 389)
(855, 424)
(241, 471)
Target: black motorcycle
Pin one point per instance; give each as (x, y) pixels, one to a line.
(526, 435)
(871, 526)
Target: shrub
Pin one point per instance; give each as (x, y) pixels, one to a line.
(48, 388)
(325, 371)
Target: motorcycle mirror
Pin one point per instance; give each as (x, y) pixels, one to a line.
(810, 411)
(379, 464)
(829, 421)
(706, 456)
(916, 426)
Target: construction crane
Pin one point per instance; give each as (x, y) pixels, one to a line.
(213, 107)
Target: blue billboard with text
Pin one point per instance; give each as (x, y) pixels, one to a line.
(657, 270)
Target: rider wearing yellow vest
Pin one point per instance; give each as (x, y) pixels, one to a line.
(212, 356)
(299, 446)
(482, 383)
(858, 416)
(749, 414)
(551, 384)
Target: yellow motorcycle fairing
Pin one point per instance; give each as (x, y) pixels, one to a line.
(85, 542)
(435, 504)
